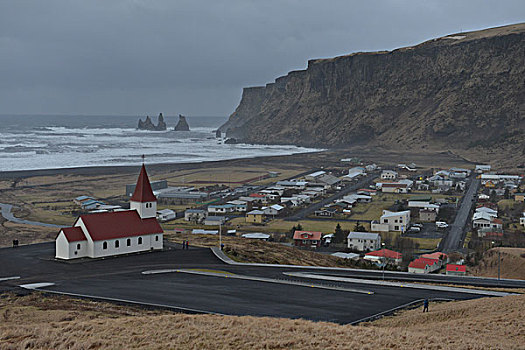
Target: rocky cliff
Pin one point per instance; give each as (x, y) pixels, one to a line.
(147, 124)
(462, 92)
(182, 125)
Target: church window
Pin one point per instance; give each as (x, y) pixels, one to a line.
(78, 246)
(105, 245)
(140, 240)
(117, 243)
(128, 242)
(157, 238)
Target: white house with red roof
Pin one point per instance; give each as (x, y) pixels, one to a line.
(114, 233)
(390, 256)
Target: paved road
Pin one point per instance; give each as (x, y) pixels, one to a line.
(453, 239)
(121, 278)
(363, 183)
(8, 215)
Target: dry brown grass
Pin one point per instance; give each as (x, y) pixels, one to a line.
(40, 322)
(512, 263)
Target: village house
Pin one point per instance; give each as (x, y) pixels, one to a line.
(195, 215)
(256, 235)
(456, 270)
(394, 187)
(522, 219)
(424, 265)
(481, 168)
(363, 241)
(389, 175)
(310, 239)
(482, 219)
(427, 215)
(240, 206)
(114, 233)
(221, 208)
(392, 221)
(519, 197)
(215, 220)
(325, 212)
(273, 210)
(255, 217)
(390, 256)
(315, 176)
(166, 215)
(442, 258)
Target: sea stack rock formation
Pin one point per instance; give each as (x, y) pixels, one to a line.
(148, 124)
(462, 92)
(182, 125)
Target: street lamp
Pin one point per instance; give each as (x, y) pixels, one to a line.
(384, 260)
(220, 236)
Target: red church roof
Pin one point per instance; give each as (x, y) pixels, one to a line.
(143, 192)
(74, 234)
(119, 224)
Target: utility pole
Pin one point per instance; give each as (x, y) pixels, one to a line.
(220, 236)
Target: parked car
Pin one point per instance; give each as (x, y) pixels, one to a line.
(441, 224)
(414, 229)
(418, 225)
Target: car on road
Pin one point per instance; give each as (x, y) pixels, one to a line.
(414, 229)
(418, 225)
(441, 224)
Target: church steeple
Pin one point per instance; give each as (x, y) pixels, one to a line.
(143, 200)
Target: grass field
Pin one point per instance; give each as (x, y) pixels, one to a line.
(38, 321)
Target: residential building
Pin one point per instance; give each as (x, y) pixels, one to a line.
(255, 217)
(166, 215)
(315, 176)
(456, 270)
(215, 220)
(273, 210)
(390, 256)
(221, 208)
(114, 233)
(351, 256)
(424, 265)
(325, 212)
(522, 219)
(485, 220)
(442, 258)
(519, 197)
(389, 175)
(394, 187)
(310, 239)
(257, 235)
(195, 215)
(427, 215)
(480, 168)
(396, 221)
(363, 241)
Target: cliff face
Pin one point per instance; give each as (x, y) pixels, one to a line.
(461, 92)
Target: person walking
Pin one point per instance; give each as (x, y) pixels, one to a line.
(425, 305)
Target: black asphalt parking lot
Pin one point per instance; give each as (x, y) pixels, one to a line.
(121, 278)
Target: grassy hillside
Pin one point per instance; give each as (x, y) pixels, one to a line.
(512, 263)
(41, 322)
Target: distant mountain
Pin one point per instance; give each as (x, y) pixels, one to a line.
(463, 92)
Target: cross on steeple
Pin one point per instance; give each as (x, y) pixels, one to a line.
(143, 156)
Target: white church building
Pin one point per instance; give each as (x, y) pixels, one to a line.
(114, 233)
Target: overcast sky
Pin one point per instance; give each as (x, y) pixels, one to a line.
(133, 57)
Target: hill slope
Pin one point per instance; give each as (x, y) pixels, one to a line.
(42, 322)
(460, 92)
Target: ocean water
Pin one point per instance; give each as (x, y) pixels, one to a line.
(47, 142)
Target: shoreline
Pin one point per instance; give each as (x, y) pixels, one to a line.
(313, 159)
(122, 169)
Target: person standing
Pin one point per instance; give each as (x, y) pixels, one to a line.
(425, 305)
